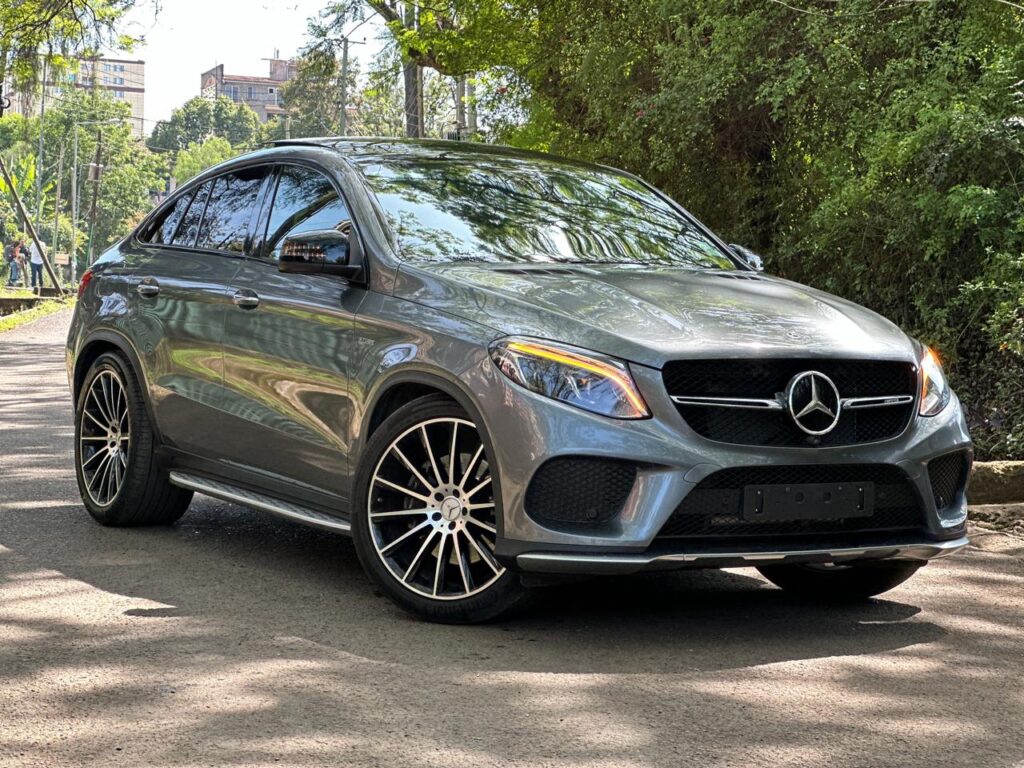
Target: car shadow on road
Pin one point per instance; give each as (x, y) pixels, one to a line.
(225, 565)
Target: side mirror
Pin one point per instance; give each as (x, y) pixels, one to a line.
(748, 257)
(322, 251)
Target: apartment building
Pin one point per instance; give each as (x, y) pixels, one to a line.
(124, 79)
(262, 94)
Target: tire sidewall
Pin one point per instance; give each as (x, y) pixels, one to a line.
(140, 442)
(502, 596)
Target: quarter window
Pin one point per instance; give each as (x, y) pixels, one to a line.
(189, 228)
(228, 214)
(161, 232)
(305, 201)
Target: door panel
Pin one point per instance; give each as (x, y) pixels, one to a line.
(287, 347)
(286, 365)
(181, 296)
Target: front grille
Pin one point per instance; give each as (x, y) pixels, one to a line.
(765, 379)
(578, 492)
(715, 507)
(948, 475)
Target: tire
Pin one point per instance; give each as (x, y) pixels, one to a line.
(134, 491)
(432, 552)
(840, 582)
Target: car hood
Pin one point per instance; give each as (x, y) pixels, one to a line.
(651, 315)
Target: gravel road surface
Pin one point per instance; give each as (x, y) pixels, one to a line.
(237, 639)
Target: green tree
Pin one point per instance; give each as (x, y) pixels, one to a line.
(197, 157)
(55, 31)
(200, 118)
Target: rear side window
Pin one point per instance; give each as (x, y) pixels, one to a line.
(305, 201)
(161, 232)
(230, 210)
(189, 227)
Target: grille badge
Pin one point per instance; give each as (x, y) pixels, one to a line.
(814, 402)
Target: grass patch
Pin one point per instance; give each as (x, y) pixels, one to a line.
(42, 309)
(15, 293)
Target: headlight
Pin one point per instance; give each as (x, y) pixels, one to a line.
(574, 376)
(935, 392)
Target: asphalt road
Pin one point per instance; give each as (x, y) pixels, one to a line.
(234, 638)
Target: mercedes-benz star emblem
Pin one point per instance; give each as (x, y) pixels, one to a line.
(813, 402)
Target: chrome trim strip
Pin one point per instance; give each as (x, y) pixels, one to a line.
(226, 492)
(730, 402)
(555, 562)
(875, 402)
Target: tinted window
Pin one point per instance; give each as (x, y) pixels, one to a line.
(304, 201)
(189, 227)
(471, 207)
(162, 230)
(228, 213)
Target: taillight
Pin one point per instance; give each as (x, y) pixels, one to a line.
(84, 283)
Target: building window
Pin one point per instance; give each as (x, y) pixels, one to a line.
(118, 94)
(270, 90)
(106, 67)
(232, 92)
(250, 93)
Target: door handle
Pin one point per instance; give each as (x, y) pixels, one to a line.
(148, 288)
(246, 299)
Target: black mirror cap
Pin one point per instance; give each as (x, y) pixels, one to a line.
(322, 252)
(748, 257)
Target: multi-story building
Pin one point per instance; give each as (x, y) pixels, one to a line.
(124, 79)
(262, 94)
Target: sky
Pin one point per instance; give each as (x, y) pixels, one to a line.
(187, 37)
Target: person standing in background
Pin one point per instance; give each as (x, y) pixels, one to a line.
(36, 259)
(17, 264)
(8, 253)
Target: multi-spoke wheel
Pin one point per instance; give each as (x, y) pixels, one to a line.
(428, 516)
(114, 451)
(104, 437)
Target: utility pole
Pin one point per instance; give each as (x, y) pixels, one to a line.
(28, 224)
(343, 116)
(460, 106)
(343, 85)
(74, 211)
(471, 106)
(39, 158)
(56, 205)
(97, 172)
(413, 78)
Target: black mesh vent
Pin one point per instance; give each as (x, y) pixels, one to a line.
(767, 378)
(947, 474)
(571, 493)
(715, 507)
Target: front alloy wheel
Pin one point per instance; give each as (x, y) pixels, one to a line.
(430, 516)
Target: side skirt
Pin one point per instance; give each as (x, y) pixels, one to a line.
(226, 492)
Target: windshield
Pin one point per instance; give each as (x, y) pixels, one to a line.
(468, 207)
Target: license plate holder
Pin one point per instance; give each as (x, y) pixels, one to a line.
(808, 501)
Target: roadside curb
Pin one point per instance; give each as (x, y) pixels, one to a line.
(997, 482)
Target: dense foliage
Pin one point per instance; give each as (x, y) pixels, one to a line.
(132, 175)
(873, 149)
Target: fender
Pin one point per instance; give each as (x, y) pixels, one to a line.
(435, 379)
(124, 345)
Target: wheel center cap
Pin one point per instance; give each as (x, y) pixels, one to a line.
(451, 509)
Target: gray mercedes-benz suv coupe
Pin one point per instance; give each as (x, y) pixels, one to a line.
(494, 367)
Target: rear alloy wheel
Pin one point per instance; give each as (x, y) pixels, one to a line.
(115, 461)
(840, 581)
(428, 525)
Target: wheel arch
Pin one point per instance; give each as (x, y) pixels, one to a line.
(412, 383)
(97, 344)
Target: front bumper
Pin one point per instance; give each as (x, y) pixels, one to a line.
(527, 430)
(598, 564)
